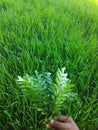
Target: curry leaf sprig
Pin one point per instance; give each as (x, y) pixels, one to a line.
(46, 96)
(61, 89)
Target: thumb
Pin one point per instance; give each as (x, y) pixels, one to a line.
(59, 125)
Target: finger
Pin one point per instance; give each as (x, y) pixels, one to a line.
(62, 119)
(48, 126)
(59, 125)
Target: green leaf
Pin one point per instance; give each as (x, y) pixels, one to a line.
(47, 97)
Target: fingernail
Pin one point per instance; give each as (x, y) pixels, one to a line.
(47, 126)
(52, 121)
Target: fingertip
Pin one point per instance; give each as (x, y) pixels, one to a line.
(48, 126)
(52, 122)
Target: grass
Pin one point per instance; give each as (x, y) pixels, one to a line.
(44, 35)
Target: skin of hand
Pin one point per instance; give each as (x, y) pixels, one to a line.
(62, 123)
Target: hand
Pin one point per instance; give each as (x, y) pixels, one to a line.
(62, 123)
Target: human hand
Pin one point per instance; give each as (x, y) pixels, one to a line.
(62, 123)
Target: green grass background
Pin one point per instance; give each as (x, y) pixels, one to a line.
(44, 35)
